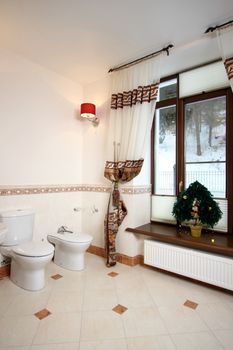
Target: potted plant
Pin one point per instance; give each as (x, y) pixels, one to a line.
(196, 206)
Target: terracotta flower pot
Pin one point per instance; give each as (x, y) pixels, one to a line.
(196, 230)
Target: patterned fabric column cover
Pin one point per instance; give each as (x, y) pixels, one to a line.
(117, 172)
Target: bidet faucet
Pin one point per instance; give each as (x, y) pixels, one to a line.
(63, 229)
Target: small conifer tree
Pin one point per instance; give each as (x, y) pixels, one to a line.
(196, 205)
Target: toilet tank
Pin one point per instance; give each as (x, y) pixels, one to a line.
(20, 224)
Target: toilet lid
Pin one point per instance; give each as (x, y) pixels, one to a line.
(34, 249)
(73, 237)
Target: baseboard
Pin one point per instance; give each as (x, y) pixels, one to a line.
(121, 258)
(4, 271)
(93, 249)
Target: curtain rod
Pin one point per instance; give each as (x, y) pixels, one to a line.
(212, 29)
(142, 58)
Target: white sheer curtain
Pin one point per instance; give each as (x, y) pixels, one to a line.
(134, 93)
(225, 41)
(130, 126)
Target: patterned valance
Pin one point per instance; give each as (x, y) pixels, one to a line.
(123, 171)
(228, 63)
(129, 98)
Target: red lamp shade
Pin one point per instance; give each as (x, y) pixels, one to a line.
(88, 110)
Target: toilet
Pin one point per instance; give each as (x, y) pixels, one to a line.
(70, 249)
(3, 231)
(28, 258)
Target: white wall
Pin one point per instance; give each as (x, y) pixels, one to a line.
(41, 138)
(41, 141)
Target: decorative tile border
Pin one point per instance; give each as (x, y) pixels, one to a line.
(39, 189)
(24, 190)
(136, 190)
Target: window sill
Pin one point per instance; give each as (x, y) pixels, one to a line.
(209, 242)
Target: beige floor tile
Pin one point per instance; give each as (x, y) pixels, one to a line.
(143, 321)
(9, 288)
(28, 303)
(199, 293)
(71, 281)
(227, 299)
(99, 325)
(16, 330)
(135, 297)
(59, 328)
(145, 325)
(65, 301)
(99, 299)
(216, 316)
(16, 348)
(64, 346)
(98, 279)
(129, 280)
(225, 337)
(5, 301)
(180, 319)
(194, 341)
(166, 296)
(155, 278)
(159, 342)
(116, 344)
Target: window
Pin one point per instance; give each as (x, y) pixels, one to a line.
(192, 140)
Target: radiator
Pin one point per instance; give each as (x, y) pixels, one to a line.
(202, 266)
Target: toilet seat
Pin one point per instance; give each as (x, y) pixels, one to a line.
(33, 249)
(72, 237)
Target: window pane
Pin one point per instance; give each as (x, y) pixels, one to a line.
(161, 209)
(167, 89)
(205, 144)
(165, 150)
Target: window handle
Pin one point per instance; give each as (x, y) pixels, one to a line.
(180, 186)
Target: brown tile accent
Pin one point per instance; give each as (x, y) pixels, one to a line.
(42, 314)
(121, 258)
(97, 251)
(113, 274)
(5, 271)
(57, 276)
(129, 260)
(120, 309)
(191, 304)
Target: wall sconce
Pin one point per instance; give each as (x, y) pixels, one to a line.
(88, 111)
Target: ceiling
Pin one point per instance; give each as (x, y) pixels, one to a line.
(82, 39)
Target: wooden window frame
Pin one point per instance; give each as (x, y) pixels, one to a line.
(180, 104)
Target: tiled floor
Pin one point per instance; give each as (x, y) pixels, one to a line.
(82, 316)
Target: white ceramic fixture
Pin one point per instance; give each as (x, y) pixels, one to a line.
(70, 249)
(3, 231)
(28, 258)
